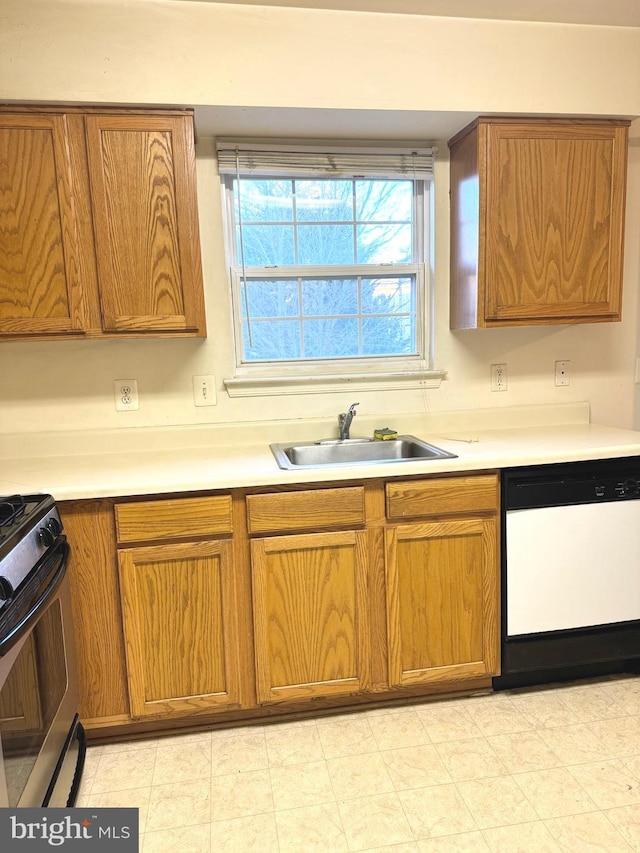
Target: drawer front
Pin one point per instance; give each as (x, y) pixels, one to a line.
(442, 496)
(313, 510)
(177, 518)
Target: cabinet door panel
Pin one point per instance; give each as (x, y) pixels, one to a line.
(310, 615)
(553, 221)
(179, 607)
(39, 286)
(142, 174)
(442, 601)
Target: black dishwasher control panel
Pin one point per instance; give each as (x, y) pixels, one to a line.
(571, 483)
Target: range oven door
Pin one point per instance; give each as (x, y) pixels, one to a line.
(41, 740)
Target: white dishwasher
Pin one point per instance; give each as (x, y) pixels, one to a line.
(570, 570)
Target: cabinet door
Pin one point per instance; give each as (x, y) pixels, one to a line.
(180, 625)
(442, 612)
(39, 281)
(554, 221)
(143, 188)
(310, 611)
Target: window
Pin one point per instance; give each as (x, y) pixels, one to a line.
(327, 254)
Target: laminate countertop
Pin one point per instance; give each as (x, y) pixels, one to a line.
(125, 462)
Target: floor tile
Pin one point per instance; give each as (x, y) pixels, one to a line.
(297, 785)
(257, 834)
(247, 751)
(575, 744)
(438, 810)
(447, 723)
(496, 802)
(545, 710)
(464, 842)
(180, 804)
(608, 783)
(346, 735)
(521, 838)
(241, 795)
(523, 751)
(314, 829)
(186, 839)
(498, 718)
(183, 762)
(393, 731)
(625, 692)
(132, 799)
(626, 820)
(621, 736)
(359, 776)
(296, 745)
(470, 759)
(587, 833)
(374, 822)
(590, 702)
(415, 767)
(114, 774)
(554, 792)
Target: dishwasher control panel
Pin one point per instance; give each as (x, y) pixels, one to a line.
(572, 483)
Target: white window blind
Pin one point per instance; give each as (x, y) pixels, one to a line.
(242, 157)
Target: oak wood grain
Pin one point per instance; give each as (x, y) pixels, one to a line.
(443, 600)
(307, 510)
(97, 615)
(311, 615)
(442, 496)
(537, 221)
(175, 518)
(39, 279)
(142, 174)
(179, 607)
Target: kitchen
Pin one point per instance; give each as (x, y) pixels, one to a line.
(216, 57)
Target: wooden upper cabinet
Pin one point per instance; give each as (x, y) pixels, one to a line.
(39, 280)
(537, 218)
(143, 190)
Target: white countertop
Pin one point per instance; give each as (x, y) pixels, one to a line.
(75, 465)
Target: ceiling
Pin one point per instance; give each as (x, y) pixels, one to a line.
(618, 13)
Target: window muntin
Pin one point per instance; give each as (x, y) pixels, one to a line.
(328, 269)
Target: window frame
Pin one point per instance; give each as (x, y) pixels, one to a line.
(325, 374)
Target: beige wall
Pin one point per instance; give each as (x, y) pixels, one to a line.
(154, 51)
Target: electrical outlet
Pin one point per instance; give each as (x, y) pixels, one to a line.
(562, 373)
(498, 377)
(126, 395)
(204, 391)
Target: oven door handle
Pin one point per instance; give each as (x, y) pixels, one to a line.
(61, 549)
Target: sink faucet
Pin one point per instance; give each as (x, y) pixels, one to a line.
(344, 421)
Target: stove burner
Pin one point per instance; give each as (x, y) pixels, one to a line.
(12, 508)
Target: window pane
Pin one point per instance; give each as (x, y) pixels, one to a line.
(267, 245)
(264, 200)
(384, 244)
(271, 340)
(330, 338)
(388, 336)
(324, 201)
(330, 297)
(384, 200)
(271, 298)
(325, 244)
(387, 295)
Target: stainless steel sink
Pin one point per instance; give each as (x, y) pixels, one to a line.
(355, 451)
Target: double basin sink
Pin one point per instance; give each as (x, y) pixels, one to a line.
(355, 451)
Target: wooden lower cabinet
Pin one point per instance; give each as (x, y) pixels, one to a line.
(180, 626)
(442, 588)
(310, 611)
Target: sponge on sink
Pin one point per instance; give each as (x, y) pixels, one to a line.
(384, 434)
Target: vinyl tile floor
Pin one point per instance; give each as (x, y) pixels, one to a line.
(532, 770)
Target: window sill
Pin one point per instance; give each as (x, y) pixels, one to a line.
(265, 386)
